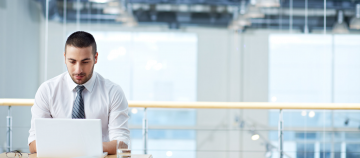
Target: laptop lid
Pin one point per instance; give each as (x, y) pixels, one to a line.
(68, 137)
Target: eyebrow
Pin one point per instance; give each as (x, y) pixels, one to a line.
(85, 59)
(81, 60)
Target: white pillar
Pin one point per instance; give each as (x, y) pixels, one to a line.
(317, 150)
(343, 150)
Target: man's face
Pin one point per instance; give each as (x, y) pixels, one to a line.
(80, 63)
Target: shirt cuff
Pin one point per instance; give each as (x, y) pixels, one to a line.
(31, 139)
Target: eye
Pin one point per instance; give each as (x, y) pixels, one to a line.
(85, 62)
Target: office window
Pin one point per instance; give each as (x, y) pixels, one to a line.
(154, 67)
(325, 150)
(300, 68)
(316, 69)
(347, 65)
(352, 150)
(305, 150)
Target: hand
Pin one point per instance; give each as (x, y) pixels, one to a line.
(110, 147)
(32, 147)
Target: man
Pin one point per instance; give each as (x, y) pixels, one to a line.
(81, 93)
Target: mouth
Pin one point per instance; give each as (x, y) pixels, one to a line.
(79, 77)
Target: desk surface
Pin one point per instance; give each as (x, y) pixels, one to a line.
(3, 155)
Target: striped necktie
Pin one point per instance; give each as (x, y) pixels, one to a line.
(78, 109)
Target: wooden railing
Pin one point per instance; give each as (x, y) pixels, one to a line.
(214, 105)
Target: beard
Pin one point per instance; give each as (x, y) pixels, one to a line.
(86, 76)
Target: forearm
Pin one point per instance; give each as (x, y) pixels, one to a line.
(110, 147)
(32, 147)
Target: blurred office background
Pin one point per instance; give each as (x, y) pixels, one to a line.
(200, 50)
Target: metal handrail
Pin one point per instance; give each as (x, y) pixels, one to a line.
(214, 105)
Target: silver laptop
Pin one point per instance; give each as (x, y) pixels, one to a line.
(69, 138)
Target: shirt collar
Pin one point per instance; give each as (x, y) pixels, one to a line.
(88, 85)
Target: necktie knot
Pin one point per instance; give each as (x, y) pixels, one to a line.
(79, 88)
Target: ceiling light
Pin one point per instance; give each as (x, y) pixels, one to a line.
(124, 17)
(311, 114)
(200, 8)
(169, 153)
(273, 99)
(340, 26)
(131, 23)
(127, 18)
(183, 8)
(255, 137)
(113, 10)
(243, 21)
(134, 110)
(253, 11)
(239, 20)
(234, 26)
(268, 3)
(303, 113)
(113, 4)
(100, 1)
(355, 21)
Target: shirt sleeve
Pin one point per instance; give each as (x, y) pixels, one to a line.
(118, 115)
(40, 109)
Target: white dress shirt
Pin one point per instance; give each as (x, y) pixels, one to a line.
(103, 100)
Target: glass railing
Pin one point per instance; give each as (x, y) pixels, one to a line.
(222, 129)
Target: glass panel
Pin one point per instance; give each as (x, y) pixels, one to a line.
(325, 150)
(154, 67)
(352, 136)
(167, 61)
(301, 118)
(337, 150)
(305, 150)
(169, 117)
(306, 135)
(347, 64)
(300, 71)
(300, 68)
(352, 150)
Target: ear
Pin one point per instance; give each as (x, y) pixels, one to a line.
(96, 57)
(65, 57)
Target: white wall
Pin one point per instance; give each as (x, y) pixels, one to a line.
(218, 80)
(19, 48)
(255, 88)
(19, 52)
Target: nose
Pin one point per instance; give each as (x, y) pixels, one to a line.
(78, 69)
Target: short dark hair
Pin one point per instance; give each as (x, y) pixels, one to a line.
(81, 39)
